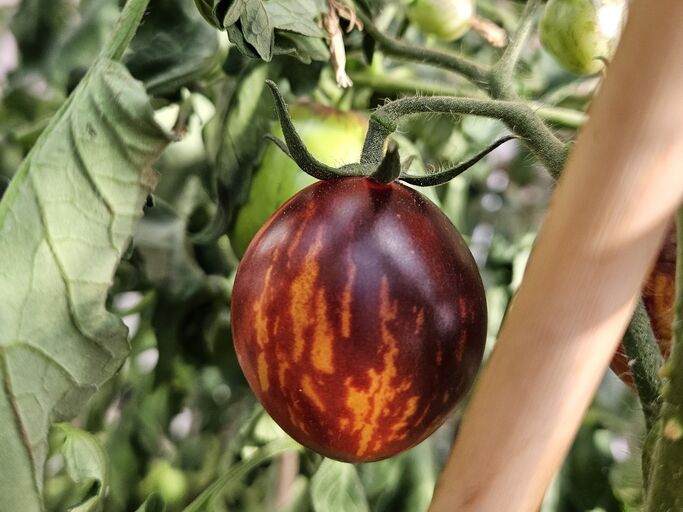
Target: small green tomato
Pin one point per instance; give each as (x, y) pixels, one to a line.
(444, 19)
(169, 482)
(581, 34)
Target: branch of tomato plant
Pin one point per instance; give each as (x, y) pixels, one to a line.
(502, 73)
(472, 71)
(665, 483)
(558, 116)
(518, 116)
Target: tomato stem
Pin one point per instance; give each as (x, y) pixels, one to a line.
(389, 168)
(516, 115)
(502, 73)
(125, 29)
(472, 71)
(642, 350)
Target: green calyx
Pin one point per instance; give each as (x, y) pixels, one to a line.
(382, 167)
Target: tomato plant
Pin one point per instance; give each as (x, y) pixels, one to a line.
(359, 318)
(134, 175)
(444, 19)
(581, 34)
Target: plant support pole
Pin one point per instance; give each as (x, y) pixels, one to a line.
(608, 217)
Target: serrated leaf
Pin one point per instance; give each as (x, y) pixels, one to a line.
(296, 16)
(65, 222)
(336, 486)
(85, 461)
(257, 28)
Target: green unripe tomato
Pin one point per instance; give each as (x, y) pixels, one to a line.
(579, 33)
(333, 137)
(169, 482)
(444, 19)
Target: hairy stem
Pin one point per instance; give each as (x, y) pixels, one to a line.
(558, 116)
(665, 490)
(472, 71)
(125, 29)
(642, 349)
(502, 74)
(518, 117)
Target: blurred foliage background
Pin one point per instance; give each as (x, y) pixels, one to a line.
(179, 415)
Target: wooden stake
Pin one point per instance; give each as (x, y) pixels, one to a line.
(608, 216)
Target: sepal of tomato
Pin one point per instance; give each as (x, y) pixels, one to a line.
(359, 318)
(332, 136)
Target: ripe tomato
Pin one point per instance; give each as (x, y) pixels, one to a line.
(578, 33)
(445, 19)
(658, 297)
(358, 318)
(332, 136)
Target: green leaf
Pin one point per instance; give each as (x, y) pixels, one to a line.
(336, 486)
(65, 222)
(37, 24)
(77, 47)
(296, 16)
(85, 461)
(161, 240)
(207, 8)
(172, 48)
(234, 12)
(234, 138)
(306, 49)
(257, 28)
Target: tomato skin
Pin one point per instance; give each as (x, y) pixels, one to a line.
(332, 136)
(444, 19)
(578, 33)
(359, 318)
(658, 296)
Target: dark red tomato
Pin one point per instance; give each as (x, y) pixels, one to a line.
(658, 296)
(359, 318)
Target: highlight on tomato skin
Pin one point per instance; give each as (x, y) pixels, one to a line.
(359, 318)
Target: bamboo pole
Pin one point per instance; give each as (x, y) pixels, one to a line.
(608, 216)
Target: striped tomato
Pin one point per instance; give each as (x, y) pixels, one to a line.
(359, 318)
